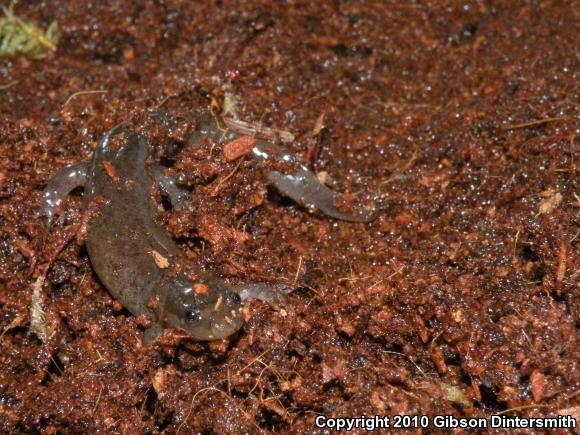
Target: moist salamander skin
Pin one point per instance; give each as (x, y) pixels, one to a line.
(138, 261)
(133, 256)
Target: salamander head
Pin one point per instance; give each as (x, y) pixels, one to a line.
(206, 310)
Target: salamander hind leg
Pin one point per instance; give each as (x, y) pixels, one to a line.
(151, 333)
(180, 198)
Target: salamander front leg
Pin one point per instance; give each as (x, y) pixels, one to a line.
(59, 187)
(180, 198)
(151, 333)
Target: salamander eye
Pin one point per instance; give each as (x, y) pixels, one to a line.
(235, 298)
(191, 315)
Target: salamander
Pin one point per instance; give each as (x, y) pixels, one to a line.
(133, 256)
(138, 261)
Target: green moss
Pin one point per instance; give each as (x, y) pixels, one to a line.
(25, 37)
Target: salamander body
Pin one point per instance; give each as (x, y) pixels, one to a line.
(133, 256)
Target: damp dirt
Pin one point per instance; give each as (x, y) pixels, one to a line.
(460, 299)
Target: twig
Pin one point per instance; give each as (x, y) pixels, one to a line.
(227, 177)
(38, 323)
(533, 123)
(8, 85)
(410, 360)
(388, 277)
(572, 162)
(298, 271)
(97, 402)
(358, 104)
(516, 242)
(76, 94)
(400, 171)
(250, 129)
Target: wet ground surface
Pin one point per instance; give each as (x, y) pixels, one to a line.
(460, 299)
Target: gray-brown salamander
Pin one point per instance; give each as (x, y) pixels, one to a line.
(125, 244)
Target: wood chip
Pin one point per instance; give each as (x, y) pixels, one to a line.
(162, 379)
(238, 147)
(551, 202)
(259, 130)
(272, 404)
(537, 379)
(436, 355)
(377, 403)
(562, 256)
(24, 248)
(318, 125)
(201, 289)
(110, 170)
(454, 394)
(160, 260)
(159, 381)
(153, 303)
(38, 322)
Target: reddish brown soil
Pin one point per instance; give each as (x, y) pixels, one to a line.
(461, 298)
